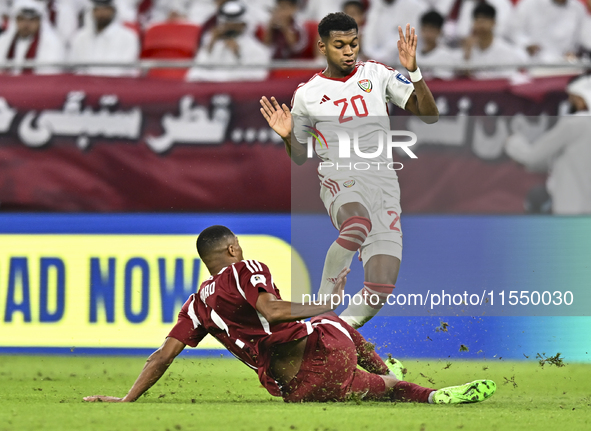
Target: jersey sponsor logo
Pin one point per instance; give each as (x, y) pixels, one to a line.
(365, 85)
(258, 278)
(402, 78)
(325, 98)
(349, 183)
(316, 134)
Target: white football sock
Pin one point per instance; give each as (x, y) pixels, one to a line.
(337, 258)
(366, 303)
(352, 235)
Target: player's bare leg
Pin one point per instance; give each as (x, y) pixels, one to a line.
(381, 273)
(354, 227)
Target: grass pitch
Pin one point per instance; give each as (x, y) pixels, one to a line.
(45, 393)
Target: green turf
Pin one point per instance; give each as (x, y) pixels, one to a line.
(45, 393)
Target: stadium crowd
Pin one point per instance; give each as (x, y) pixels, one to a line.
(232, 33)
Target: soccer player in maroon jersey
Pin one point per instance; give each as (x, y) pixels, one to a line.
(364, 205)
(299, 360)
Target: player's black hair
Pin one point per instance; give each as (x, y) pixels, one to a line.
(210, 238)
(432, 18)
(357, 3)
(293, 2)
(484, 10)
(338, 21)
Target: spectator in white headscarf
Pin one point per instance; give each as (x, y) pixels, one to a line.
(460, 28)
(550, 30)
(106, 40)
(484, 49)
(73, 14)
(31, 37)
(564, 152)
(380, 35)
(231, 46)
(432, 54)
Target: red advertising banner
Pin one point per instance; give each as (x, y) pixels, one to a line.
(75, 143)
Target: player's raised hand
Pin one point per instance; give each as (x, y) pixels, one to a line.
(407, 48)
(103, 399)
(278, 116)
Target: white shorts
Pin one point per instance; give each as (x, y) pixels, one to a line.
(380, 195)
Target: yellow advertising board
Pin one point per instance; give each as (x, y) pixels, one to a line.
(112, 291)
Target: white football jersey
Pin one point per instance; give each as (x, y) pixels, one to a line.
(356, 104)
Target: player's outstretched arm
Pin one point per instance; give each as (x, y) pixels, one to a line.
(421, 103)
(156, 365)
(277, 311)
(279, 119)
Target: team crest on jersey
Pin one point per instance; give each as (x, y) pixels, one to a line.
(349, 183)
(258, 278)
(402, 78)
(365, 85)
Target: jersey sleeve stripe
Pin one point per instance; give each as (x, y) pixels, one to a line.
(248, 265)
(257, 264)
(238, 282)
(193, 315)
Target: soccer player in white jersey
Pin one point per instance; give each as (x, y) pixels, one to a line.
(351, 97)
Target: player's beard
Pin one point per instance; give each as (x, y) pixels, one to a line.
(346, 69)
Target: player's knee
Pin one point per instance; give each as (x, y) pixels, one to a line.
(352, 209)
(382, 269)
(390, 381)
(354, 232)
(377, 293)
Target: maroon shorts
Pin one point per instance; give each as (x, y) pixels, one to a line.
(329, 367)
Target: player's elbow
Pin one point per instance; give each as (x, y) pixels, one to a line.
(274, 316)
(161, 358)
(431, 118)
(299, 160)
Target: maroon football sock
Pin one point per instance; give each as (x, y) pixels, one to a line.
(406, 391)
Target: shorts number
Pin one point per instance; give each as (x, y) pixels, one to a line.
(396, 219)
(359, 107)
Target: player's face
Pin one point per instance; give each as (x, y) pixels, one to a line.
(341, 50)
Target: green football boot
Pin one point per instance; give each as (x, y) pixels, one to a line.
(396, 367)
(474, 392)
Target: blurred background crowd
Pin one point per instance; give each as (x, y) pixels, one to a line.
(456, 37)
(482, 58)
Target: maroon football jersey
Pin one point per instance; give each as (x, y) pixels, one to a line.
(224, 307)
